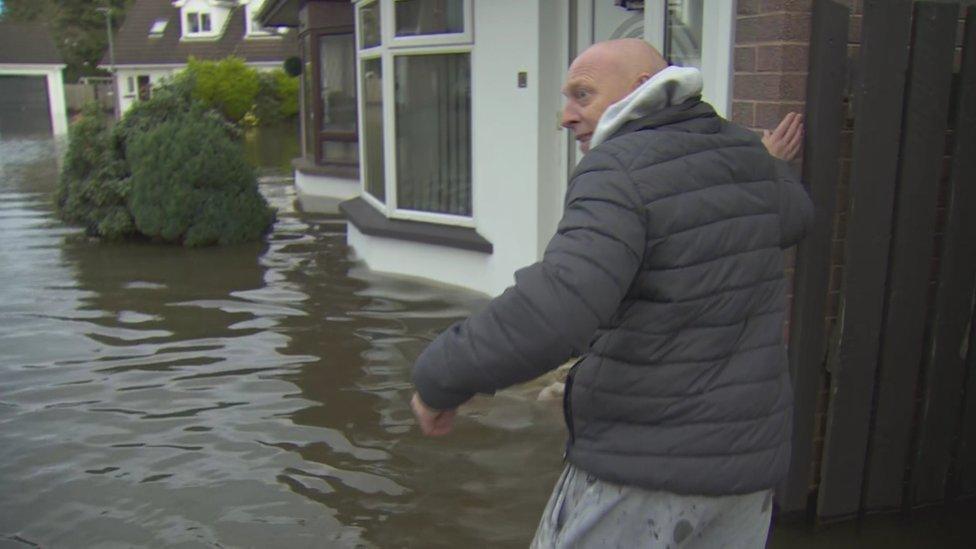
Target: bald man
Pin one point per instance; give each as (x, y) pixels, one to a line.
(666, 277)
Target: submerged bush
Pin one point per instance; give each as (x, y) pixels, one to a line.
(192, 184)
(93, 189)
(171, 170)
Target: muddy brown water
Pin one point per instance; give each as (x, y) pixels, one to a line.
(251, 396)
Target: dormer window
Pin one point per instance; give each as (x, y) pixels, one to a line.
(254, 27)
(198, 23)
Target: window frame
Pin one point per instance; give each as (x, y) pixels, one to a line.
(319, 113)
(253, 28)
(717, 47)
(388, 49)
(198, 17)
(446, 39)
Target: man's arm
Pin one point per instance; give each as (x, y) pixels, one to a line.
(556, 305)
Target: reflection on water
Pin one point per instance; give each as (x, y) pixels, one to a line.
(251, 396)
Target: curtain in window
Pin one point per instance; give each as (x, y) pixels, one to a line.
(372, 90)
(433, 133)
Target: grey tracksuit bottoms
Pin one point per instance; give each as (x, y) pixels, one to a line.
(584, 511)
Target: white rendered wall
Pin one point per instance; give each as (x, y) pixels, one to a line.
(156, 75)
(322, 194)
(438, 263)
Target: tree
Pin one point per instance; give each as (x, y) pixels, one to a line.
(77, 26)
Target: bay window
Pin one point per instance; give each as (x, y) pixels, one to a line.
(415, 108)
(329, 91)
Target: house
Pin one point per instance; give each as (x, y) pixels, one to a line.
(434, 124)
(31, 82)
(159, 36)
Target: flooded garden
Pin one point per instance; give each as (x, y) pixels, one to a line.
(257, 395)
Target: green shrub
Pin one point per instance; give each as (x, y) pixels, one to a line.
(277, 97)
(191, 184)
(93, 189)
(228, 85)
(171, 170)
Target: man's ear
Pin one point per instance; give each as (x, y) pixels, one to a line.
(644, 77)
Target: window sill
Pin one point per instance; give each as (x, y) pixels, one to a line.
(373, 223)
(306, 166)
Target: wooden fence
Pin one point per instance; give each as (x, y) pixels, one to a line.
(79, 95)
(900, 362)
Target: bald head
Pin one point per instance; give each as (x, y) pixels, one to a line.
(627, 58)
(602, 75)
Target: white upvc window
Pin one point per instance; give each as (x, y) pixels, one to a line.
(696, 33)
(414, 75)
(198, 23)
(254, 27)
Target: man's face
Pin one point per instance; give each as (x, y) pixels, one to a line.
(592, 85)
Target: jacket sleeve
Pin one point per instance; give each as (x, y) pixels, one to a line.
(556, 305)
(795, 206)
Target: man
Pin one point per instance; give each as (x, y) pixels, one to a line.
(666, 276)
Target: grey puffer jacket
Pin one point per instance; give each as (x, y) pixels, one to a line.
(667, 276)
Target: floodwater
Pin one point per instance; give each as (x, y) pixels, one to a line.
(254, 396)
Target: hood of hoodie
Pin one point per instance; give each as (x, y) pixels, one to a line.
(670, 87)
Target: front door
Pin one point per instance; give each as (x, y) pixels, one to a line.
(145, 87)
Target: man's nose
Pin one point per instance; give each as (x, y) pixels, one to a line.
(570, 116)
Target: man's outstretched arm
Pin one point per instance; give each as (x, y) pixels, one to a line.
(555, 306)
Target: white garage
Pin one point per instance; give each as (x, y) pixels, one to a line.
(32, 100)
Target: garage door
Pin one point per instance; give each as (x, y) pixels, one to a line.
(24, 108)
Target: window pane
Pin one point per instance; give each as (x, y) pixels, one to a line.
(193, 22)
(205, 22)
(337, 56)
(684, 29)
(372, 135)
(433, 133)
(369, 25)
(415, 17)
(340, 152)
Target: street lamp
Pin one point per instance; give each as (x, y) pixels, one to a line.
(111, 60)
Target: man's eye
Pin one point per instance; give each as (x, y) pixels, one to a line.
(582, 94)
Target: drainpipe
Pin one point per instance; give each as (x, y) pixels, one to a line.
(111, 58)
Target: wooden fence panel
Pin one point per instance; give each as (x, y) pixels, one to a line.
(945, 365)
(965, 472)
(878, 109)
(821, 168)
(920, 171)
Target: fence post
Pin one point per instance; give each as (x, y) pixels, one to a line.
(945, 364)
(878, 107)
(821, 167)
(920, 171)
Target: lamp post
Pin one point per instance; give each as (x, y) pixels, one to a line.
(111, 60)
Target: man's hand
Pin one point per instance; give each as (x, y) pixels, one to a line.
(433, 423)
(785, 141)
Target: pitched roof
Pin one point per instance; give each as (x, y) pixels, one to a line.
(134, 46)
(28, 43)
